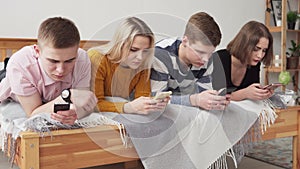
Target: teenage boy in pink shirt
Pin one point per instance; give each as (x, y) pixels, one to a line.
(38, 74)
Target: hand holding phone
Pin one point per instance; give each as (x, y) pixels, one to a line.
(162, 95)
(272, 86)
(61, 107)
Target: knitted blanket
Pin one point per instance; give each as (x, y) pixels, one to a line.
(181, 137)
(188, 137)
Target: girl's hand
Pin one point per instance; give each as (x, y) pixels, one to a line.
(255, 92)
(162, 103)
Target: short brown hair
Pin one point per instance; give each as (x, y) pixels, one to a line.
(247, 38)
(58, 32)
(202, 27)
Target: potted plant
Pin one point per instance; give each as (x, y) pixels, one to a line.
(293, 55)
(292, 17)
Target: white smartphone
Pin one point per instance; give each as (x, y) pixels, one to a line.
(162, 95)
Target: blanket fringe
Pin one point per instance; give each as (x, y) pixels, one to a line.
(44, 125)
(267, 116)
(221, 162)
(13, 146)
(100, 120)
(9, 148)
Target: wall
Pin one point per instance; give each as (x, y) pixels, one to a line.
(96, 19)
(22, 18)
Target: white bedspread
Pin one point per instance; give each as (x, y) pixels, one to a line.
(187, 137)
(181, 137)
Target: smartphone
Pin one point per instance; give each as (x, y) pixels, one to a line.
(272, 86)
(230, 90)
(61, 107)
(224, 91)
(162, 95)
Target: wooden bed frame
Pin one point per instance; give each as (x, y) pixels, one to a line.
(287, 125)
(75, 149)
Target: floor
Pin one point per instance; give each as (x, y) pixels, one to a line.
(247, 163)
(250, 163)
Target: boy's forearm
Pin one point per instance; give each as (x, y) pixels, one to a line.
(47, 107)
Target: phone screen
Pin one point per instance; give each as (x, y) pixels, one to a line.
(162, 95)
(61, 107)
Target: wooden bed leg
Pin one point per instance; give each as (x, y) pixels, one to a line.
(131, 164)
(295, 152)
(296, 146)
(297, 164)
(30, 153)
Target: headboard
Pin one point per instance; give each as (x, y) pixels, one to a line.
(10, 45)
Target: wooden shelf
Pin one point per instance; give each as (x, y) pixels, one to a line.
(278, 69)
(274, 28)
(273, 69)
(292, 30)
(279, 29)
(284, 42)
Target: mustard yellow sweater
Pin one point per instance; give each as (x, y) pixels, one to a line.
(110, 79)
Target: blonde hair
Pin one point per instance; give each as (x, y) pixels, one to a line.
(123, 39)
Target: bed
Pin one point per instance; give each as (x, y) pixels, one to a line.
(74, 148)
(68, 148)
(287, 125)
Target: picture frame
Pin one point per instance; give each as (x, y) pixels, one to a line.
(276, 6)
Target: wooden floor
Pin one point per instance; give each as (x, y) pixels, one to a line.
(247, 163)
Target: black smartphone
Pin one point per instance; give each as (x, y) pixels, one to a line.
(222, 92)
(272, 86)
(61, 107)
(230, 90)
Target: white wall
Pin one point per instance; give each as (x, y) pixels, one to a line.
(21, 18)
(96, 18)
